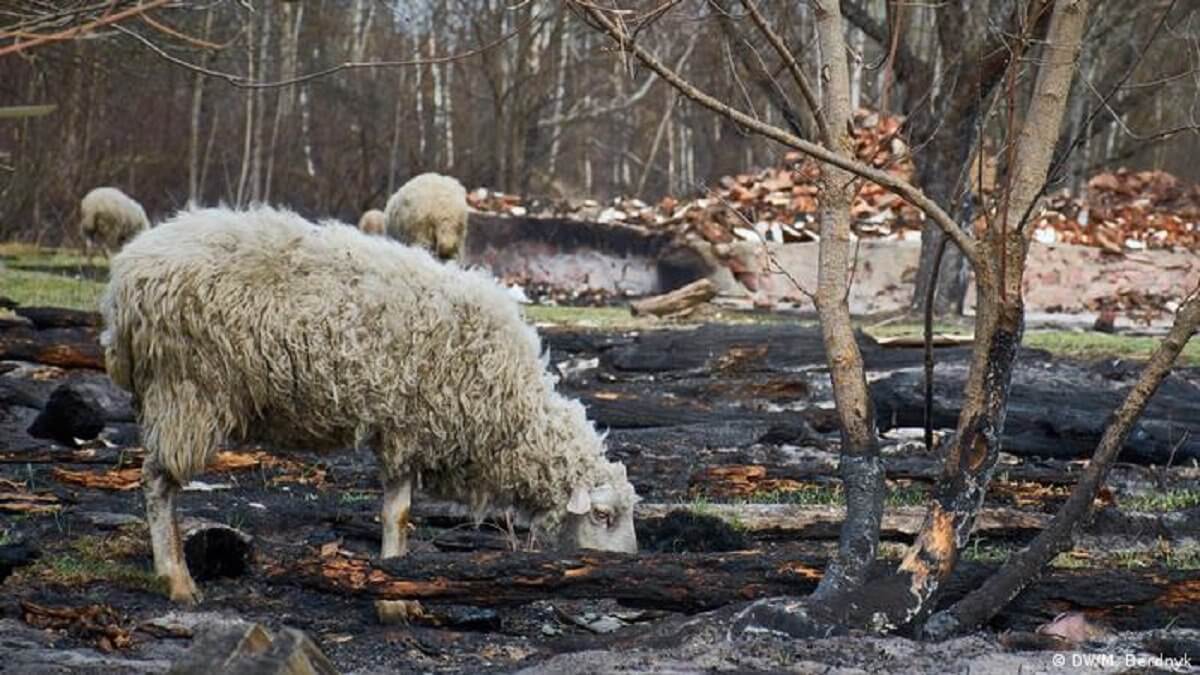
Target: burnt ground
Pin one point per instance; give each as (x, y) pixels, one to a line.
(718, 422)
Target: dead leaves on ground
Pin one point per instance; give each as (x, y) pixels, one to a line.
(99, 624)
(741, 480)
(17, 498)
(129, 478)
(113, 479)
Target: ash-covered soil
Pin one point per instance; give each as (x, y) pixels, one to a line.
(718, 422)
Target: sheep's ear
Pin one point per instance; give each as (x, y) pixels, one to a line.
(581, 501)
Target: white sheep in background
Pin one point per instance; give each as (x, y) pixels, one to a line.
(109, 218)
(261, 326)
(430, 211)
(373, 222)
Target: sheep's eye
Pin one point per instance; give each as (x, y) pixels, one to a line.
(603, 517)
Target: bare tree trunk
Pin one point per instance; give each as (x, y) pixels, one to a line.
(310, 163)
(971, 454)
(286, 100)
(857, 44)
(435, 75)
(195, 186)
(560, 96)
(663, 125)
(420, 102)
(208, 146)
(1021, 568)
(248, 135)
(260, 109)
(861, 471)
(397, 135)
(448, 113)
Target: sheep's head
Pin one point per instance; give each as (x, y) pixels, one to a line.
(449, 234)
(601, 517)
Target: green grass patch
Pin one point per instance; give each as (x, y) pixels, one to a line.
(26, 256)
(910, 329)
(104, 558)
(831, 495)
(980, 551)
(357, 497)
(50, 290)
(620, 318)
(1171, 500)
(1163, 555)
(586, 317)
(1093, 345)
(1088, 345)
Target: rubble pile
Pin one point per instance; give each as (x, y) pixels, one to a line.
(777, 204)
(1119, 212)
(1125, 211)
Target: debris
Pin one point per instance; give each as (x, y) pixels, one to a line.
(1127, 211)
(1073, 627)
(15, 498)
(914, 341)
(113, 479)
(677, 301)
(398, 611)
(251, 648)
(99, 624)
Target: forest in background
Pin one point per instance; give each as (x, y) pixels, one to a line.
(519, 97)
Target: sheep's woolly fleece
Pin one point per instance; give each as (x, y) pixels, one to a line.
(110, 218)
(259, 325)
(429, 211)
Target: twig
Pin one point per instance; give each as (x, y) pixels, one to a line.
(175, 33)
(245, 83)
(70, 33)
(930, 294)
(793, 66)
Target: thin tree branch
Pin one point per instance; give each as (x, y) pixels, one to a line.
(793, 66)
(897, 185)
(76, 31)
(1019, 570)
(248, 83)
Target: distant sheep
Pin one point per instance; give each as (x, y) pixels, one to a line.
(373, 222)
(430, 211)
(260, 326)
(109, 218)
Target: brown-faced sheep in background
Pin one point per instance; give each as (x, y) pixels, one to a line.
(373, 222)
(430, 211)
(109, 218)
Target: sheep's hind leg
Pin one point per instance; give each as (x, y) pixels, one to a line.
(397, 500)
(160, 489)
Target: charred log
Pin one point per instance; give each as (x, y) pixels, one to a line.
(62, 347)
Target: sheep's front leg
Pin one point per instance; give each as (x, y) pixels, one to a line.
(397, 500)
(160, 490)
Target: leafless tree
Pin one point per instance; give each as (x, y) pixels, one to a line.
(997, 257)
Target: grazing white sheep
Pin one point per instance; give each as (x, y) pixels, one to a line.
(109, 218)
(373, 222)
(430, 211)
(258, 325)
